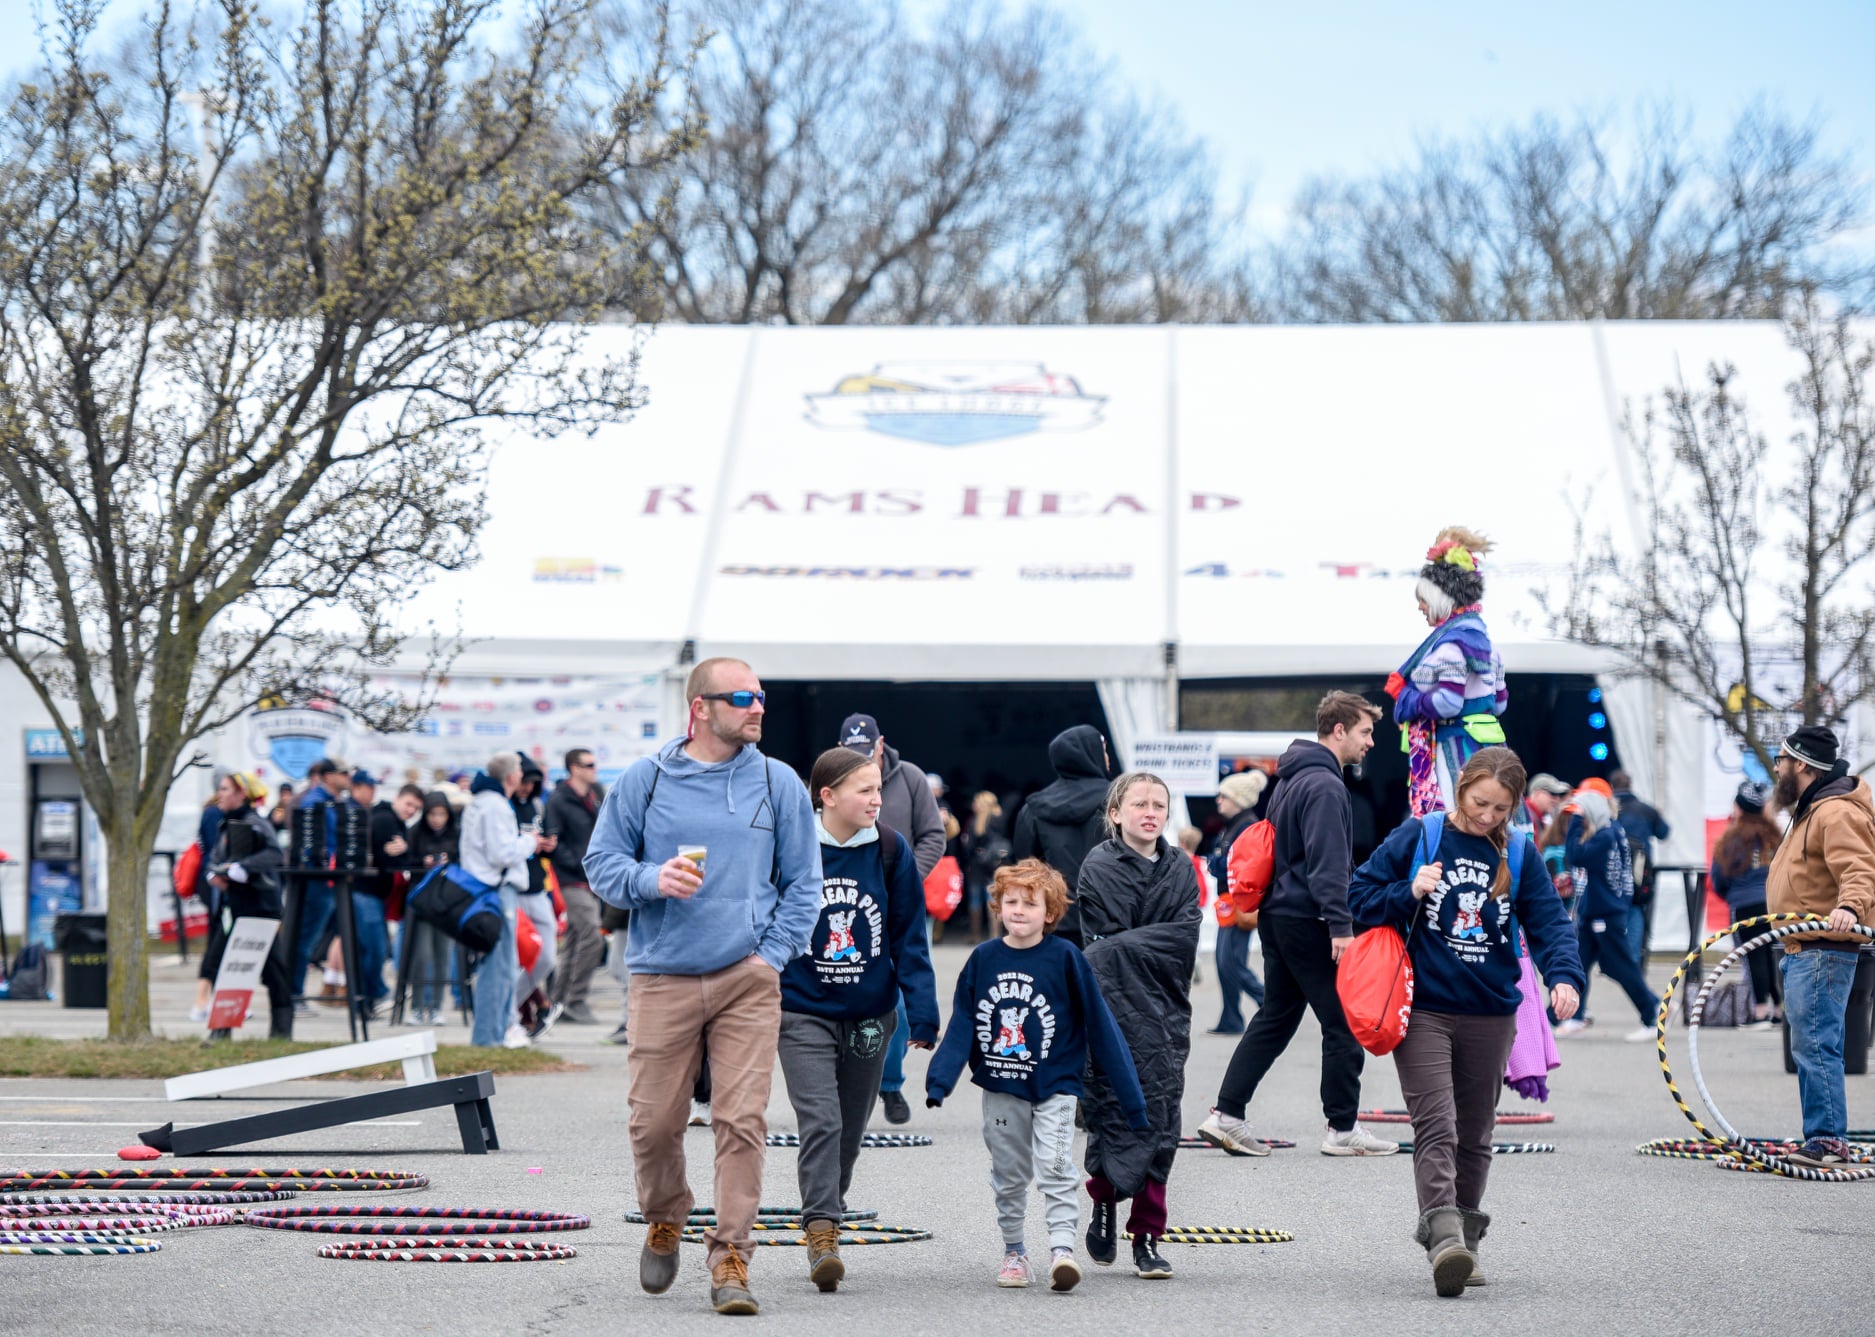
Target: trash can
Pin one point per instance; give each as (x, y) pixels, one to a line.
(82, 945)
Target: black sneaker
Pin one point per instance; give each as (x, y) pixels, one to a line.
(1146, 1259)
(1821, 1153)
(1102, 1234)
(896, 1110)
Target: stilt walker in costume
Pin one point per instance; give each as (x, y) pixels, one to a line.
(1449, 693)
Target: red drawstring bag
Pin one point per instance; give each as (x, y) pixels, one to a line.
(526, 941)
(188, 867)
(944, 888)
(1248, 871)
(1375, 981)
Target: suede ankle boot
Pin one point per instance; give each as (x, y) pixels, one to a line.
(1476, 1223)
(1442, 1231)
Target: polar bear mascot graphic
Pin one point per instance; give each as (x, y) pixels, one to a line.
(1009, 1041)
(840, 945)
(1468, 923)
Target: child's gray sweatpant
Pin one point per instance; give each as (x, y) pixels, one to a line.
(1033, 1142)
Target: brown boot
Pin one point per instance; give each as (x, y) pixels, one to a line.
(729, 1286)
(657, 1264)
(824, 1267)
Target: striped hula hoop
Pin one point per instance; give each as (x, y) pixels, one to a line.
(1199, 1144)
(374, 1220)
(150, 1198)
(1507, 1148)
(1220, 1235)
(861, 1235)
(869, 1140)
(12, 1181)
(448, 1249)
(1505, 1118)
(1743, 1152)
(706, 1216)
(127, 1245)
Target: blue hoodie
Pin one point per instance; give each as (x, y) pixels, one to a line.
(753, 816)
(1607, 866)
(1461, 941)
(868, 946)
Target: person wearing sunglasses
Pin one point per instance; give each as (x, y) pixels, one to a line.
(711, 930)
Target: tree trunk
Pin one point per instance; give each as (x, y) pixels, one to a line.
(127, 924)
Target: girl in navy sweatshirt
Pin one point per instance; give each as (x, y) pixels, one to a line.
(1026, 1015)
(839, 1002)
(1446, 881)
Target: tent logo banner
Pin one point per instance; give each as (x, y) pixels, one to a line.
(956, 403)
(293, 738)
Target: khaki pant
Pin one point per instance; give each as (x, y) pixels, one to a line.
(738, 1011)
(1451, 1070)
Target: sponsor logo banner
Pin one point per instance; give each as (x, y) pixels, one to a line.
(956, 403)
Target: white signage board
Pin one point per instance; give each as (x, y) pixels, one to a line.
(1187, 762)
(249, 941)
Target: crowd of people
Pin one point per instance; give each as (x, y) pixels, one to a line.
(757, 920)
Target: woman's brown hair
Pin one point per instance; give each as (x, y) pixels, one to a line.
(1505, 767)
(831, 768)
(1732, 854)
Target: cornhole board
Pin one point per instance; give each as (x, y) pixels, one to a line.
(416, 1052)
(468, 1095)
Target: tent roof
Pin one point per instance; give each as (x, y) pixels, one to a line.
(1062, 502)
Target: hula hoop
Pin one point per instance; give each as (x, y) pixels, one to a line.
(1199, 1144)
(869, 1140)
(167, 1200)
(1511, 1119)
(1507, 1148)
(869, 1234)
(189, 1180)
(161, 1215)
(125, 1246)
(706, 1216)
(449, 1249)
(373, 1220)
(1220, 1235)
(1742, 1150)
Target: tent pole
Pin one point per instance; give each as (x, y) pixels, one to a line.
(1170, 709)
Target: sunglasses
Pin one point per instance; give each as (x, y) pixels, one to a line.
(740, 700)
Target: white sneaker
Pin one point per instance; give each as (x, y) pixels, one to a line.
(516, 1038)
(1639, 1035)
(1572, 1027)
(699, 1114)
(198, 1014)
(1357, 1141)
(1231, 1135)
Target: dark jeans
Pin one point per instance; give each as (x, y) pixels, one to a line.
(318, 901)
(1451, 1070)
(272, 970)
(1299, 971)
(1235, 976)
(1604, 942)
(1765, 985)
(832, 1072)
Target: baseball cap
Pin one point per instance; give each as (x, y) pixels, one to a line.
(363, 777)
(859, 732)
(1545, 783)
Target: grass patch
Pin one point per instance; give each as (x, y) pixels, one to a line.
(42, 1056)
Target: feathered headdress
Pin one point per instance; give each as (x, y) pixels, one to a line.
(1453, 576)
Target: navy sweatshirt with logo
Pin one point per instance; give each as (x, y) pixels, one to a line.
(1025, 1020)
(1607, 866)
(1463, 952)
(868, 944)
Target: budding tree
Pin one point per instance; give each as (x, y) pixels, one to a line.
(1753, 555)
(245, 364)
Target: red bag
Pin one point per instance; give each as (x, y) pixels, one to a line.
(1375, 981)
(1249, 871)
(526, 941)
(944, 888)
(188, 867)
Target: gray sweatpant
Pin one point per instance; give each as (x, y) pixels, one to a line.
(832, 1071)
(1033, 1142)
(1451, 1069)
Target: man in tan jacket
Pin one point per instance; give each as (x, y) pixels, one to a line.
(1825, 868)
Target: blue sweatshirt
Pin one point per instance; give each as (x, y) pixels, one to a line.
(1025, 1021)
(1607, 866)
(761, 879)
(868, 946)
(1463, 951)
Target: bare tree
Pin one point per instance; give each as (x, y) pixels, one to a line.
(1707, 604)
(860, 171)
(1573, 222)
(241, 387)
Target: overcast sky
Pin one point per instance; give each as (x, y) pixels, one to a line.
(1283, 90)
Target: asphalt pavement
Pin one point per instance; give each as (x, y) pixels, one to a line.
(1593, 1238)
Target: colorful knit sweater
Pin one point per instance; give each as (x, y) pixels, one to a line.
(1455, 672)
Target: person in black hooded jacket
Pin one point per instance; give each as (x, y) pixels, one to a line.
(1138, 896)
(1061, 823)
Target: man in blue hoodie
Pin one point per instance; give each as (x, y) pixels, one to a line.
(709, 936)
(1306, 926)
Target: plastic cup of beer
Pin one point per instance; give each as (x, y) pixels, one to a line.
(695, 854)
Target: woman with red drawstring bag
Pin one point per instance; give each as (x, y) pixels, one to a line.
(1453, 889)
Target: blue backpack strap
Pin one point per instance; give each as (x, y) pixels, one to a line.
(1431, 832)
